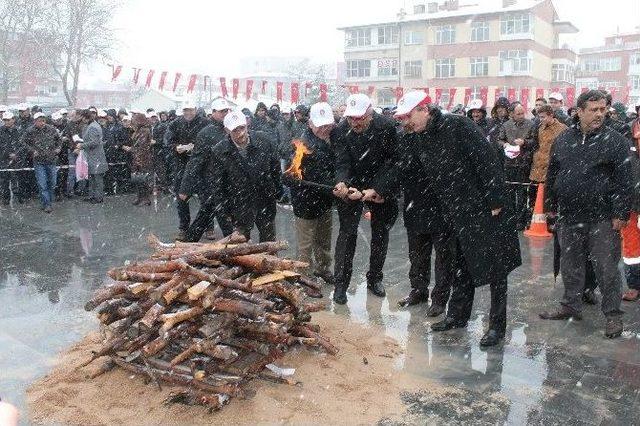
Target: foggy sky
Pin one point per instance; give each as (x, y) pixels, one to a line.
(211, 36)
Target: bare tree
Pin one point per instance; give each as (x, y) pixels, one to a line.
(80, 31)
(20, 56)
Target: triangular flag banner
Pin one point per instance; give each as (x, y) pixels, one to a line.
(539, 93)
(497, 94)
(484, 96)
(371, 90)
(176, 80)
(452, 96)
(323, 92)
(571, 96)
(263, 89)
(279, 91)
(613, 91)
(115, 71)
(354, 89)
(524, 98)
(163, 79)
(248, 89)
(511, 94)
(307, 87)
(235, 87)
(438, 95)
(149, 78)
(399, 93)
(467, 95)
(192, 82)
(136, 75)
(295, 93)
(223, 87)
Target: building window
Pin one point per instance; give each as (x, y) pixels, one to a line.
(590, 65)
(611, 64)
(634, 59)
(359, 68)
(479, 66)
(53, 90)
(388, 34)
(419, 8)
(634, 82)
(515, 23)
(608, 84)
(515, 62)
(387, 67)
(475, 93)
(480, 31)
(562, 73)
(386, 97)
(445, 34)
(413, 37)
(445, 68)
(413, 69)
(355, 38)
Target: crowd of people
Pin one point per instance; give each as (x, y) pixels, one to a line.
(466, 182)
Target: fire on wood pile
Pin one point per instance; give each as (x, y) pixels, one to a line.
(207, 317)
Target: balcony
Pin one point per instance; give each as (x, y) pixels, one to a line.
(371, 47)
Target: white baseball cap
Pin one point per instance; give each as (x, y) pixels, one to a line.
(23, 107)
(102, 113)
(234, 119)
(7, 115)
(411, 100)
(3, 108)
(475, 104)
(126, 117)
(38, 115)
(63, 111)
(557, 96)
(357, 105)
(220, 104)
(56, 116)
(321, 114)
(285, 110)
(188, 105)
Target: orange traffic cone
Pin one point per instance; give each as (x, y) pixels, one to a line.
(538, 227)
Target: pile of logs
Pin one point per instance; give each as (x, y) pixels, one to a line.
(207, 317)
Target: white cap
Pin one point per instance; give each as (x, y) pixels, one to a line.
(234, 119)
(557, 96)
(102, 113)
(93, 109)
(285, 110)
(23, 107)
(475, 104)
(38, 115)
(411, 100)
(3, 108)
(321, 114)
(56, 116)
(63, 111)
(7, 115)
(152, 114)
(137, 111)
(220, 104)
(511, 151)
(357, 105)
(126, 117)
(188, 105)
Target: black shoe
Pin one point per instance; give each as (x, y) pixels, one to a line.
(447, 324)
(377, 288)
(614, 327)
(589, 297)
(415, 297)
(435, 311)
(562, 313)
(326, 276)
(340, 295)
(491, 338)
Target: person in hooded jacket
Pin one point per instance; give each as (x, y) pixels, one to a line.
(499, 116)
(244, 175)
(259, 121)
(477, 112)
(312, 206)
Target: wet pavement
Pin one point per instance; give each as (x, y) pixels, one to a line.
(563, 373)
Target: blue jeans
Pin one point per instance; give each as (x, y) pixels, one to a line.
(46, 176)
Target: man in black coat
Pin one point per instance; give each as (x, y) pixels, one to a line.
(195, 177)
(180, 139)
(468, 187)
(365, 144)
(9, 157)
(589, 188)
(244, 174)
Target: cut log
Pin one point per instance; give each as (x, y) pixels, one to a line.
(171, 320)
(196, 291)
(152, 315)
(105, 293)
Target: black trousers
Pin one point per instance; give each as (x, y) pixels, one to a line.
(265, 221)
(461, 302)
(184, 213)
(383, 217)
(204, 220)
(517, 195)
(420, 248)
(5, 191)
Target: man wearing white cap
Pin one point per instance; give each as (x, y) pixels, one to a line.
(181, 137)
(365, 143)
(452, 154)
(196, 177)
(24, 119)
(9, 151)
(556, 100)
(44, 144)
(244, 174)
(312, 206)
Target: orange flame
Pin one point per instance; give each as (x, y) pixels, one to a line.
(301, 150)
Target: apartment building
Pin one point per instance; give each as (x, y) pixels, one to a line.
(498, 47)
(614, 66)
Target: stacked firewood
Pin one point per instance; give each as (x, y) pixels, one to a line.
(207, 317)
